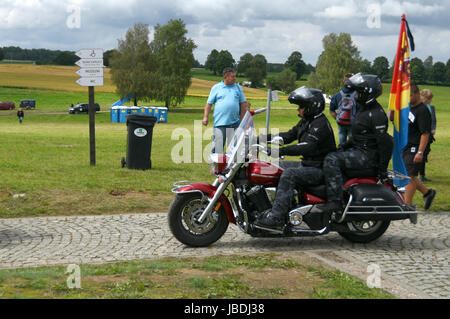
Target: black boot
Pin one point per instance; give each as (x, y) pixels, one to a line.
(269, 220)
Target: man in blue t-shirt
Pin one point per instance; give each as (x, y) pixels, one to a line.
(230, 106)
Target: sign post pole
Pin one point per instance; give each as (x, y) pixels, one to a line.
(91, 73)
(92, 126)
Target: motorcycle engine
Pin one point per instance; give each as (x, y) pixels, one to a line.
(257, 197)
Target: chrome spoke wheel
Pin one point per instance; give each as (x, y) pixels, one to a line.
(192, 212)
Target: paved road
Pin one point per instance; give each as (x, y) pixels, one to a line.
(413, 259)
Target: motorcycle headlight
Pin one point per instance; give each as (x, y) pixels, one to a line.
(218, 163)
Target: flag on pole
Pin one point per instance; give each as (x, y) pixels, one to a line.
(399, 99)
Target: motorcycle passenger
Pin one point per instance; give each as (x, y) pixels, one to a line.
(315, 140)
(370, 147)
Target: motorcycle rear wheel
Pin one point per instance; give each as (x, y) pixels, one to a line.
(365, 231)
(184, 211)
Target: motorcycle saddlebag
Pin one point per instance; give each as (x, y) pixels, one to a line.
(373, 198)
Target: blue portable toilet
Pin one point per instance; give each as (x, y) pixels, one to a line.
(134, 110)
(143, 110)
(123, 112)
(162, 114)
(115, 114)
(155, 112)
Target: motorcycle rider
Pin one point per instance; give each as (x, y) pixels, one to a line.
(315, 140)
(369, 148)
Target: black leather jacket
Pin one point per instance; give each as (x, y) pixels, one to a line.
(315, 140)
(370, 135)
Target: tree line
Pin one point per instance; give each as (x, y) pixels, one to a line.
(161, 69)
(339, 56)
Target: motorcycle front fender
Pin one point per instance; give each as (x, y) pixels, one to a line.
(209, 190)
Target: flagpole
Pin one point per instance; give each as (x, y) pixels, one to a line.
(399, 99)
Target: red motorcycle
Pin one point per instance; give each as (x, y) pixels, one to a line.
(245, 186)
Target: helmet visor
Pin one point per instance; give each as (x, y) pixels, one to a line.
(303, 92)
(357, 79)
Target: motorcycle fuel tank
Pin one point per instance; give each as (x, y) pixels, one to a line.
(263, 173)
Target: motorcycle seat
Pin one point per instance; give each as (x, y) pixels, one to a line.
(365, 172)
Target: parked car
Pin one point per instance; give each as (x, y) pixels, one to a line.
(28, 104)
(82, 108)
(7, 105)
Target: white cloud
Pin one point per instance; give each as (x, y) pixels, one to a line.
(348, 10)
(271, 28)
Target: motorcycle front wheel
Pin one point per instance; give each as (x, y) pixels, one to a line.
(183, 214)
(365, 231)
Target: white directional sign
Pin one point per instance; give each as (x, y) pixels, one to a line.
(91, 81)
(90, 72)
(90, 54)
(90, 63)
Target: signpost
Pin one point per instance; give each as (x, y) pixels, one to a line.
(91, 73)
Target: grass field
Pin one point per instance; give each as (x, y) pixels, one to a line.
(261, 276)
(47, 157)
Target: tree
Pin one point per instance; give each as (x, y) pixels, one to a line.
(380, 67)
(244, 63)
(345, 40)
(133, 64)
(2, 56)
(296, 64)
(428, 65)
(173, 55)
(284, 81)
(197, 64)
(417, 71)
(259, 62)
(257, 70)
(438, 72)
(211, 61)
(339, 57)
(224, 60)
(447, 74)
(107, 56)
(365, 67)
(65, 58)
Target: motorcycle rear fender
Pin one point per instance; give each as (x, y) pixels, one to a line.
(209, 190)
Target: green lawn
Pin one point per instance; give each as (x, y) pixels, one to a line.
(261, 276)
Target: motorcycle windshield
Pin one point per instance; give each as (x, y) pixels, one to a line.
(244, 136)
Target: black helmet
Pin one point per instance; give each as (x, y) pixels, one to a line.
(368, 87)
(311, 99)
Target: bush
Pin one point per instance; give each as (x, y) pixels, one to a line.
(285, 81)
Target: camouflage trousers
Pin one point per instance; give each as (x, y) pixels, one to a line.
(294, 176)
(337, 162)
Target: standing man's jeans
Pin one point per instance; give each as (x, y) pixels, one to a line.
(343, 133)
(220, 135)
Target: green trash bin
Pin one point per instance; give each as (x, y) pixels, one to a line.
(139, 141)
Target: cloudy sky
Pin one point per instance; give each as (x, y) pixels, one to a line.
(272, 28)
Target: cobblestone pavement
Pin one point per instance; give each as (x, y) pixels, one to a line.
(413, 259)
